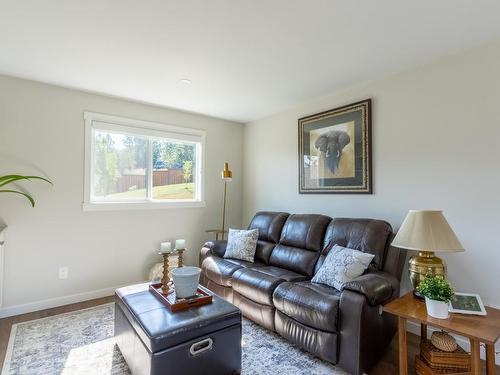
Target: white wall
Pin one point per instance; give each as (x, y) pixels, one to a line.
(42, 131)
(436, 144)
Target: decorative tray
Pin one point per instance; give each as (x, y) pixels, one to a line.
(175, 304)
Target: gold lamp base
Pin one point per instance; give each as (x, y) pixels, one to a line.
(425, 264)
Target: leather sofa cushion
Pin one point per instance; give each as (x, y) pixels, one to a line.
(269, 225)
(245, 264)
(295, 259)
(263, 251)
(260, 314)
(305, 231)
(300, 243)
(311, 304)
(258, 284)
(322, 344)
(367, 235)
(220, 271)
(281, 273)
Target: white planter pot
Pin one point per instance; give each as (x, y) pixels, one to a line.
(186, 281)
(437, 309)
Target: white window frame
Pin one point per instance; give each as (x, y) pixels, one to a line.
(98, 121)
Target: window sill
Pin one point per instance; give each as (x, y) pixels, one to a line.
(121, 206)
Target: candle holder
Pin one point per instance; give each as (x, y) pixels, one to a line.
(165, 280)
(180, 259)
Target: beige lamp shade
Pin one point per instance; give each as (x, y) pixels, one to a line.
(426, 231)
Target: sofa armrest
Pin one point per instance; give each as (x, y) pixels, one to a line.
(378, 287)
(205, 251)
(213, 248)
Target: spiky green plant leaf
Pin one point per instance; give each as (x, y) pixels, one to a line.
(7, 179)
(29, 197)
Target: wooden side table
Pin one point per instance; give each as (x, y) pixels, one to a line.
(476, 328)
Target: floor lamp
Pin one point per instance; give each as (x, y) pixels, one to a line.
(227, 176)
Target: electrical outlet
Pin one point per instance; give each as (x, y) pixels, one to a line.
(63, 273)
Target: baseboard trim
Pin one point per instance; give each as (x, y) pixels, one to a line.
(58, 301)
(462, 341)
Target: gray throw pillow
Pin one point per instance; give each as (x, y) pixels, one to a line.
(242, 244)
(341, 266)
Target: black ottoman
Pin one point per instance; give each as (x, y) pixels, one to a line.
(154, 341)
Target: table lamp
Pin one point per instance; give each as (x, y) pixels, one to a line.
(426, 232)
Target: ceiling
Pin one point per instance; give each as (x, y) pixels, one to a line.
(246, 58)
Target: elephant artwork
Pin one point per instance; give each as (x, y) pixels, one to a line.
(331, 147)
(335, 150)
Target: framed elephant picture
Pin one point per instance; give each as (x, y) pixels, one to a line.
(335, 151)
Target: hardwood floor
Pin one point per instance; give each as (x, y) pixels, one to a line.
(386, 366)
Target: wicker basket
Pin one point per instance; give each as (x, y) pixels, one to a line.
(444, 341)
(438, 359)
(422, 368)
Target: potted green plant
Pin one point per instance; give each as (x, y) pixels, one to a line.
(8, 179)
(438, 293)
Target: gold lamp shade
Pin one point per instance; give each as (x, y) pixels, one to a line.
(227, 174)
(426, 232)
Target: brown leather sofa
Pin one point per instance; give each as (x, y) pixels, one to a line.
(344, 327)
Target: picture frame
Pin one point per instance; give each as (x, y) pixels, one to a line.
(335, 150)
(467, 303)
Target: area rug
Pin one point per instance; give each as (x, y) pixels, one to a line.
(82, 342)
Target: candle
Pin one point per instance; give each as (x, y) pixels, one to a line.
(166, 247)
(180, 244)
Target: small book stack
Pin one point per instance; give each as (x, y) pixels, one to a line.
(433, 361)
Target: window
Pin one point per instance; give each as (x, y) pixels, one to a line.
(137, 164)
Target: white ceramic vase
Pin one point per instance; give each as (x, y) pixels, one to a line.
(186, 281)
(437, 309)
